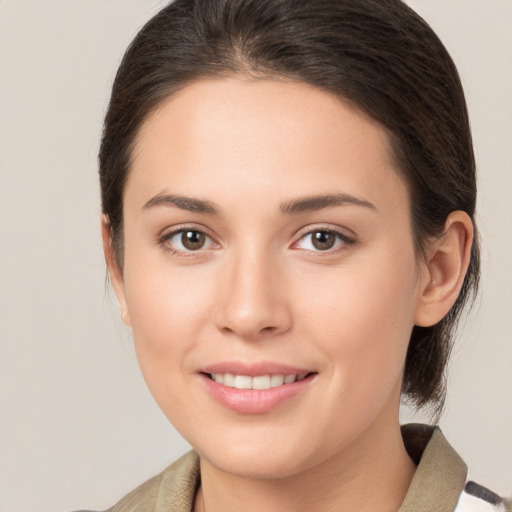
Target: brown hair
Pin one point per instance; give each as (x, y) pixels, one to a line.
(377, 54)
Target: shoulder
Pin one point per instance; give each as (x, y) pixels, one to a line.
(172, 490)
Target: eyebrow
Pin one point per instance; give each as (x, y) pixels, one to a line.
(293, 207)
(185, 203)
(313, 203)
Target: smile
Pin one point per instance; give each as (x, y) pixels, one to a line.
(260, 382)
(257, 393)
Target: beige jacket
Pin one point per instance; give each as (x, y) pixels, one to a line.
(440, 483)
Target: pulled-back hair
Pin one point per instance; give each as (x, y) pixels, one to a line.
(379, 55)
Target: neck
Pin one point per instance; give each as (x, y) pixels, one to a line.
(372, 474)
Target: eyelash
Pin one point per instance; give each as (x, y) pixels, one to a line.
(342, 241)
(164, 240)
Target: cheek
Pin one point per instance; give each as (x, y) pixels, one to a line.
(363, 317)
(168, 310)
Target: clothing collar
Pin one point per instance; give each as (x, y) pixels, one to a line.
(436, 485)
(440, 474)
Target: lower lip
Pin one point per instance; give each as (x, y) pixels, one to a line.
(254, 401)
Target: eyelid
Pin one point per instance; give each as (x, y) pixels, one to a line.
(168, 233)
(347, 239)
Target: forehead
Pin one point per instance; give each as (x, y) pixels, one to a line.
(261, 136)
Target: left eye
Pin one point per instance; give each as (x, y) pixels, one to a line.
(188, 240)
(322, 240)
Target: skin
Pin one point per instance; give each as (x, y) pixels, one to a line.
(259, 290)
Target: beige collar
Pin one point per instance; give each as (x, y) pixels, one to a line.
(440, 475)
(436, 486)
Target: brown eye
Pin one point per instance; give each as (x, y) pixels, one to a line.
(185, 241)
(323, 240)
(193, 240)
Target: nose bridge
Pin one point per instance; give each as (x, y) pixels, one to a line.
(254, 299)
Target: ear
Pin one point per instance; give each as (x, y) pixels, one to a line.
(446, 265)
(114, 271)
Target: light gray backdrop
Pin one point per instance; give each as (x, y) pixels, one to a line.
(77, 427)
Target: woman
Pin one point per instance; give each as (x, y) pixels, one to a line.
(288, 191)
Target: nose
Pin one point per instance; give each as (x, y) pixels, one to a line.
(252, 300)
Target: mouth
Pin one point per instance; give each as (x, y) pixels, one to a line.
(255, 387)
(258, 382)
(257, 393)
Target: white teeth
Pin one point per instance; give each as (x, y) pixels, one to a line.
(218, 377)
(229, 380)
(243, 382)
(260, 382)
(276, 381)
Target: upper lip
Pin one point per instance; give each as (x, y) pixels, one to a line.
(253, 369)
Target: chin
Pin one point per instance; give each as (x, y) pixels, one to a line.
(259, 457)
(264, 467)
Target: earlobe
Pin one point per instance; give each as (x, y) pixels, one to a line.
(114, 271)
(446, 266)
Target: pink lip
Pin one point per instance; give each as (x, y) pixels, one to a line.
(254, 401)
(253, 369)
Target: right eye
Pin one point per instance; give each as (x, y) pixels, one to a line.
(187, 241)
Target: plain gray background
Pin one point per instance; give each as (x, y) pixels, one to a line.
(78, 428)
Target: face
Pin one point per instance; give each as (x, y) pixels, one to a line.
(269, 275)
